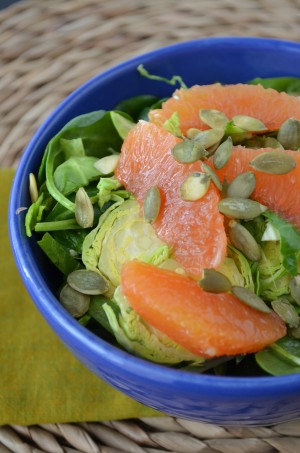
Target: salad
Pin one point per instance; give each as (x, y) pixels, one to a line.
(174, 227)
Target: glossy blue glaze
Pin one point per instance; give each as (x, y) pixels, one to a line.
(239, 401)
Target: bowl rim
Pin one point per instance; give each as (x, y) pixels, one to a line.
(55, 314)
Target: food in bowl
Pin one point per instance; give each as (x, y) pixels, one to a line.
(174, 223)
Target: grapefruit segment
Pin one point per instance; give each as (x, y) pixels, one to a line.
(280, 193)
(194, 229)
(206, 324)
(267, 105)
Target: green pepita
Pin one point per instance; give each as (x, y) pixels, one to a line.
(87, 282)
(294, 332)
(214, 177)
(76, 303)
(241, 208)
(248, 123)
(212, 149)
(84, 212)
(192, 132)
(152, 202)
(194, 186)
(242, 185)
(107, 165)
(209, 137)
(273, 162)
(214, 281)
(188, 151)
(295, 288)
(271, 142)
(250, 298)
(223, 153)
(243, 240)
(213, 118)
(286, 311)
(33, 190)
(289, 134)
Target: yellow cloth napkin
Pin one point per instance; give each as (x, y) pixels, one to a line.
(40, 381)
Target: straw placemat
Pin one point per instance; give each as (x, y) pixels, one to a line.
(47, 49)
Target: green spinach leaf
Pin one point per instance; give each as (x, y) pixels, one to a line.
(58, 254)
(72, 148)
(289, 241)
(273, 364)
(71, 239)
(290, 85)
(135, 105)
(74, 173)
(97, 312)
(99, 138)
(33, 215)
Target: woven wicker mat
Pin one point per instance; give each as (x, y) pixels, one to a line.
(47, 49)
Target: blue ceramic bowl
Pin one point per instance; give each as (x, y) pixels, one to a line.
(221, 400)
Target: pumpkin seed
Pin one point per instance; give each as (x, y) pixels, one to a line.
(286, 311)
(84, 212)
(289, 134)
(241, 138)
(273, 162)
(214, 281)
(192, 132)
(214, 177)
(250, 298)
(213, 118)
(76, 303)
(107, 164)
(241, 208)
(294, 332)
(152, 202)
(271, 142)
(188, 151)
(209, 137)
(242, 185)
(212, 149)
(194, 186)
(87, 282)
(33, 190)
(223, 153)
(243, 240)
(248, 123)
(295, 288)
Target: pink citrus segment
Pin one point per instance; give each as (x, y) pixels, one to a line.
(280, 193)
(194, 230)
(204, 323)
(267, 105)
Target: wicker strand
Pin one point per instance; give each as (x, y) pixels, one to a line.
(148, 435)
